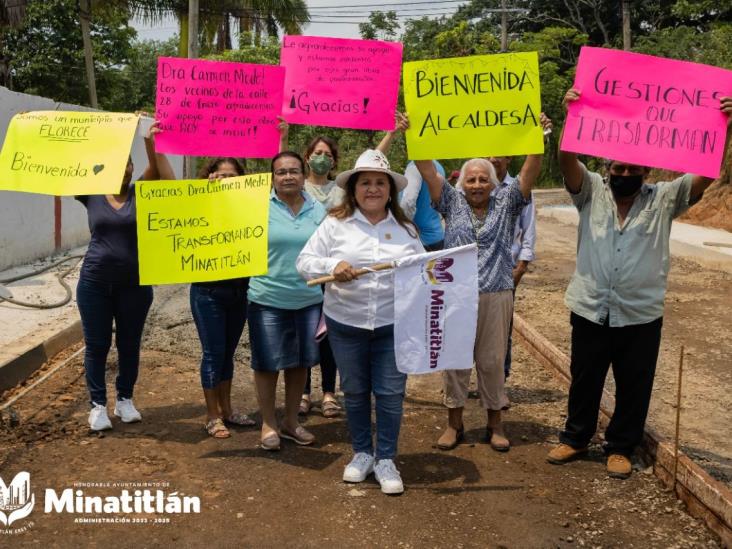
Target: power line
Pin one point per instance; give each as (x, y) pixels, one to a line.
(396, 4)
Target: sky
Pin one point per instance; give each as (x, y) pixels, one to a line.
(337, 18)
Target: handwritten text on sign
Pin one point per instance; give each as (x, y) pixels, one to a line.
(66, 153)
(341, 83)
(216, 108)
(198, 231)
(473, 106)
(649, 111)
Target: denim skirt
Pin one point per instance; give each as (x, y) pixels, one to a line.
(283, 338)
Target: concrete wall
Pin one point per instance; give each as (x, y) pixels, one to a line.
(28, 221)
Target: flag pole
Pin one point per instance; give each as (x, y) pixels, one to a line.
(359, 272)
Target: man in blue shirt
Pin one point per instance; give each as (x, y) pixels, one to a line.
(416, 203)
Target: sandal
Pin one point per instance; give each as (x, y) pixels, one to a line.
(301, 436)
(271, 442)
(216, 428)
(239, 418)
(304, 405)
(330, 408)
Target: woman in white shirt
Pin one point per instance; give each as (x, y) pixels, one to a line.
(368, 228)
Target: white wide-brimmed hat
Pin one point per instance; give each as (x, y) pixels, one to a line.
(372, 161)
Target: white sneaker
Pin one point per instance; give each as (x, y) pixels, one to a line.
(98, 418)
(126, 411)
(388, 476)
(361, 466)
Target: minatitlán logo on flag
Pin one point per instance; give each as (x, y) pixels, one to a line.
(437, 270)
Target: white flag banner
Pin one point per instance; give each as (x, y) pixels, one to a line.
(436, 310)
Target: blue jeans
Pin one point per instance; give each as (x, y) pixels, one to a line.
(101, 303)
(366, 364)
(220, 313)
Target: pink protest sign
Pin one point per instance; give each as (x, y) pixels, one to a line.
(648, 111)
(341, 83)
(216, 108)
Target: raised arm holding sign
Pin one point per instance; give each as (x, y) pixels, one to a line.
(341, 83)
(216, 108)
(484, 213)
(639, 115)
(648, 111)
(473, 106)
(196, 231)
(66, 153)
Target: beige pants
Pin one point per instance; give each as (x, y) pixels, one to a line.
(491, 340)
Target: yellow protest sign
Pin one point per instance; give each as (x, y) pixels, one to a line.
(199, 231)
(65, 153)
(483, 105)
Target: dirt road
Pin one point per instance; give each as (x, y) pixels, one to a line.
(470, 497)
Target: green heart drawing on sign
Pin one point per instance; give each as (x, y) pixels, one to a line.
(97, 168)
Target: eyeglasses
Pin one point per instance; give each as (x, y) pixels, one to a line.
(292, 171)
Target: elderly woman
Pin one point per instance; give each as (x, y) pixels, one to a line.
(478, 214)
(219, 310)
(368, 228)
(283, 312)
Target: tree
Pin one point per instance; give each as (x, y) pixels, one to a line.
(45, 53)
(380, 26)
(256, 18)
(12, 13)
(133, 87)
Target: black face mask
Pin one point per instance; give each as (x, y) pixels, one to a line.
(625, 185)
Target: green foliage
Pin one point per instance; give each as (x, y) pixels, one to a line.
(135, 82)
(703, 12)
(686, 43)
(381, 26)
(46, 52)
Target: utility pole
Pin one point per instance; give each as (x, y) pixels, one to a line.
(192, 54)
(625, 6)
(84, 16)
(504, 27)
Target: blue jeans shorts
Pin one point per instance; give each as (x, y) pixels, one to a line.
(283, 338)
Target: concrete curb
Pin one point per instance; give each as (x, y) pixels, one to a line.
(19, 368)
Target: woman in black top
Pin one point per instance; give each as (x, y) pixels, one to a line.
(109, 290)
(220, 311)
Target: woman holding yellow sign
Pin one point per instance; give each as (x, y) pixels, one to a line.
(219, 311)
(479, 215)
(109, 290)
